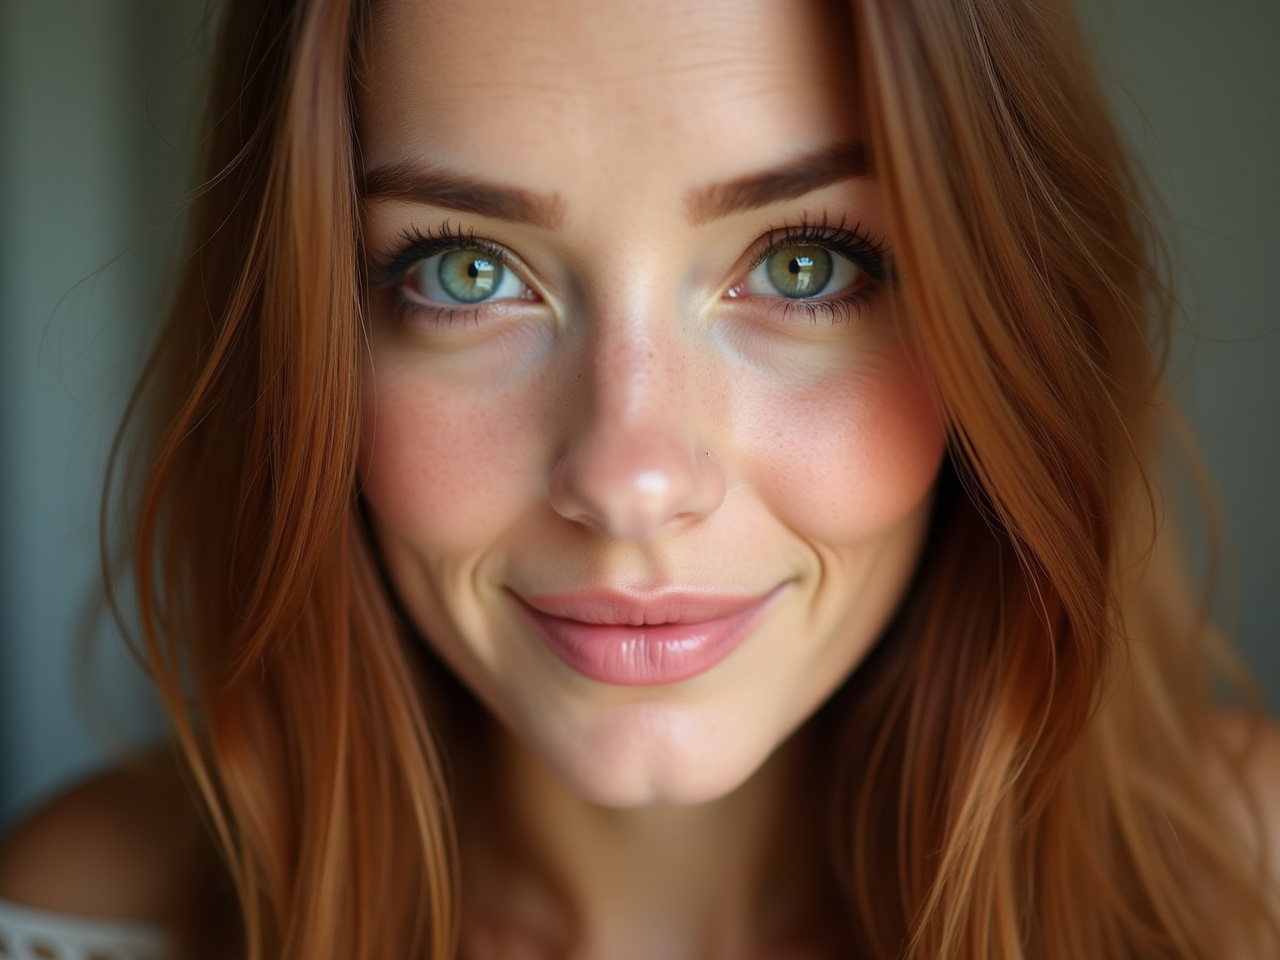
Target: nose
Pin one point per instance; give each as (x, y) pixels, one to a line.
(634, 465)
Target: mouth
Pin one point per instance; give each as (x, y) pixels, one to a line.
(631, 640)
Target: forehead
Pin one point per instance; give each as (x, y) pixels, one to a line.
(604, 93)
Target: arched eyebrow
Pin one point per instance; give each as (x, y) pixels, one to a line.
(438, 187)
(840, 161)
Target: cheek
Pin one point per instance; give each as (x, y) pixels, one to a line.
(441, 470)
(849, 457)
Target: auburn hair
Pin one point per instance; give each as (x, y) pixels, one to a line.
(1021, 762)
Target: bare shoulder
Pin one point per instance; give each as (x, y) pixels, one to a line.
(122, 845)
(1252, 746)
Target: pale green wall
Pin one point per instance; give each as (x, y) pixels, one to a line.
(1197, 85)
(91, 91)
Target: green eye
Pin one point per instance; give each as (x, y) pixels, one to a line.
(799, 271)
(469, 276)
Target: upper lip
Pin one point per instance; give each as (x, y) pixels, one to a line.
(615, 607)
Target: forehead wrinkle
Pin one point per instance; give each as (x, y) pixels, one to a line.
(607, 106)
(595, 49)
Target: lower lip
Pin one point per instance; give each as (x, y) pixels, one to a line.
(637, 656)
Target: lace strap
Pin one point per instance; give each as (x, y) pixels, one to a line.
(29, 934)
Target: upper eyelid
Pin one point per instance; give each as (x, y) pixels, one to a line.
(414, 247)
(869, 252)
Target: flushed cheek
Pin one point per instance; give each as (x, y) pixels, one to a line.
(444, 470)
(849, 457)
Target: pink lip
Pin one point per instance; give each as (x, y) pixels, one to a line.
(631, 641)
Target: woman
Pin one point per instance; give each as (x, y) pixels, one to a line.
(666, 481)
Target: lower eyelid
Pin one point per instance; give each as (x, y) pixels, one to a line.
(411, 311)
(836, 310)
(832, 311)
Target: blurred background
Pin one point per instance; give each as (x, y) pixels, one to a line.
(98, 103)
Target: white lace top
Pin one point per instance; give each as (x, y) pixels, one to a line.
(27, 934)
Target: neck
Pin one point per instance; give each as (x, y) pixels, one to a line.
(544, 870)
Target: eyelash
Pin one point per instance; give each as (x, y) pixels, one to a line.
(869, 254)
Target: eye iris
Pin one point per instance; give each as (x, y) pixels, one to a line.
(800, 271)
(469, 275)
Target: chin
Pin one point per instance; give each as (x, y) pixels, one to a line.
(649, 755)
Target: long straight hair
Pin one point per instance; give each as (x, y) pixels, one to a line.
(1021, 762)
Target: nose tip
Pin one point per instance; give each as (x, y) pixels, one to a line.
(633, 484)
(633, 462)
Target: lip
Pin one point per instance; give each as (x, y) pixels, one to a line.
(630, 640)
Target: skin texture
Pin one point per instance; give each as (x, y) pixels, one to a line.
(640, 414)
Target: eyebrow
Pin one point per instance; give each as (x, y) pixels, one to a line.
(812, 171)
(439, 187)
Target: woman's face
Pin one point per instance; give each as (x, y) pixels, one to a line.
(645, 452)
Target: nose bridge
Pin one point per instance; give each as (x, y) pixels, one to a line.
(636, 378)
(633, 460)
